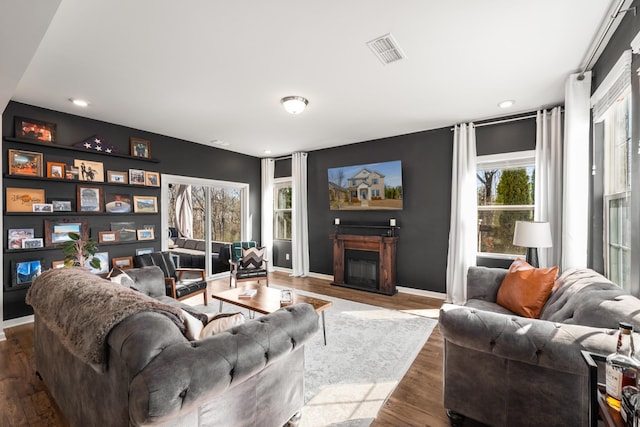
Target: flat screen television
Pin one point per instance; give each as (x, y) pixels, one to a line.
(372, 186)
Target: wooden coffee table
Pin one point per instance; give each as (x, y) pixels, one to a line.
(267, 300)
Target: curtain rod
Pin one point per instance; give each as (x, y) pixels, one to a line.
(512, 119)
(284, 157)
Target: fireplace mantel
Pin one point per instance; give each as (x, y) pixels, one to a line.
(385, 246)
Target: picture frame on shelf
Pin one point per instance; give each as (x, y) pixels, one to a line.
(152, 179)
(116, 177)
(123, 263)
(61, 205)
(117, 202)
(145, 234)
(145, 204)
(136, 176)
(15, 236)
(57, 231)
(140, 147)
(32, 243)
(25, 163)
(104, 263)
(89, 198)
(56, 170)
(35, 130)
(126, 230)
(25, 272)
(72, 172)
(144, 251)
(108, 236)
(42, 207)
(57, 264)
(22, 199)
(89, 171)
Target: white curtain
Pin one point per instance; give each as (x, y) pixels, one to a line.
(266, 227)
(548, 185)
(463, 230)
(300, 232)
(575, 188)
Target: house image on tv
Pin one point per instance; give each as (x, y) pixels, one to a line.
(366, 185)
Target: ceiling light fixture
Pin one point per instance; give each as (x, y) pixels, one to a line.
(506, 104)
(267, 151)
(294, 104)
(79, 102)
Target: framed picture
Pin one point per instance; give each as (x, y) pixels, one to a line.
(126, 230)
(144, 251)
(26, 271)
(140, 147)
(108, 236)
(117, 202)
(57, 264)
(42, 207)
(145, 234)
(145, 204)
(104, 263)
(72, 172)
(32, 243)
(56, 170)
(89, 198)
(61, 205)
(89, 171)
(136, 176)
(27, 163)
(122, 263)
(116, 177)
(35, 130)
(152, 179)
(15, 236)
(56, 232)
(22, 199)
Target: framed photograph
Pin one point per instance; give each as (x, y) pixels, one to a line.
(27, 163)
(26, 271)
(145, 234)
(108, 236)
(61, 205)
(57, 264)
(35, 130)
(136, 176)
(89, 171)
(56, 232)
(89, 198)
(15, 236)
(126, 230)
(122, 263)
(140, 147)
(42, 207)
(22, 199)
(104, 263)
(117, 202)
(145, 204)
(72, 172)
(32, 243)
(116, 177)
(152, 179)
(144, 251)
(56, 170)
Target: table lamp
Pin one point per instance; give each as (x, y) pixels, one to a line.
(532, 235)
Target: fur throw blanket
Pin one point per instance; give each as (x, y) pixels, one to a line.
(82, 308)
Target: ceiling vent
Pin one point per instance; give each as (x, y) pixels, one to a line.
(386, 49)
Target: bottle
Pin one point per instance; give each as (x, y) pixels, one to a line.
(621, 367)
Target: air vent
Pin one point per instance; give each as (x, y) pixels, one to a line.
(386, 49)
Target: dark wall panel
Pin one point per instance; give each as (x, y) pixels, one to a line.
(519, 135)
(426, 170)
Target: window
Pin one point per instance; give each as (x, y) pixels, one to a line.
(505, 191)
(282, 211)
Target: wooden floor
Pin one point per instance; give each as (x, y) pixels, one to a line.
(416, 401)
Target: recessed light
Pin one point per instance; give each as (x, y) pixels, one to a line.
(506, 104)
(79, 102)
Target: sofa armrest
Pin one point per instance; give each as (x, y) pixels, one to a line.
(483, 283)
(173, 375)
(537, 342)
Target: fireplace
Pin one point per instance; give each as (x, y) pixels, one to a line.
(361, 268)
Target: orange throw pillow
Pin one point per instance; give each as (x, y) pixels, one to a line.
(526, 289)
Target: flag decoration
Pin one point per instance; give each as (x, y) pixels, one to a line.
(97, 143)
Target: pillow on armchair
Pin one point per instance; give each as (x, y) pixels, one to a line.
(252, 258)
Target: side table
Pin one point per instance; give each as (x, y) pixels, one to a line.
(599, 409)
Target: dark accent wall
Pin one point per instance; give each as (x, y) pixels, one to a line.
(176, 157)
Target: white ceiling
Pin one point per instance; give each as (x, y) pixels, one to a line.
(208, 70)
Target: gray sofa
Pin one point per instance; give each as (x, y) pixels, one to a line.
(147, 372)
(505, 370)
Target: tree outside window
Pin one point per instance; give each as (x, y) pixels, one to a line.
(282, 220)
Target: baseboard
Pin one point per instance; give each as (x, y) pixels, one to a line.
(14, 322)
(422, 292)
(322, 276)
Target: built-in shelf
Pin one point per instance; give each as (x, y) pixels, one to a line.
(53, 248)
(77, 181)
(75, 213)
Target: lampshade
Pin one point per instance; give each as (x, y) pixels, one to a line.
(294, 104)
(532, 234)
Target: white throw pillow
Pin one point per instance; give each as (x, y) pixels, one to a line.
(195, 330)
(123, 279)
